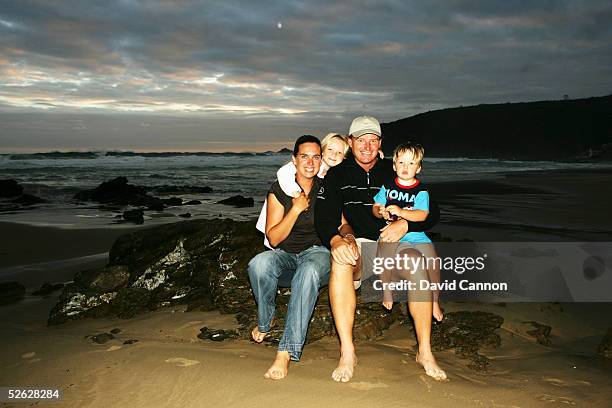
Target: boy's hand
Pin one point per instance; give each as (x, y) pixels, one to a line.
(300, 203)
(388, 304)
(383, 212)
(393, 210)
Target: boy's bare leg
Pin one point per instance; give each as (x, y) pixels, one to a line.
(387, 250)
(280, 367)
(342, 299)
(433, 273)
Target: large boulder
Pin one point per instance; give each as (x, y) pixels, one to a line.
(28, 199)
(238, 201)
(10, 188)
(202, 264)
(11, 292)
(605, 347)
(467, 333)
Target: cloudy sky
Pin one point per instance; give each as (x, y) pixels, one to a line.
(253, 75)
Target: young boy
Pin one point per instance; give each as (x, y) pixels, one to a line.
(406, 197)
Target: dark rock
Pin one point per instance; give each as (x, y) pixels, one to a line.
(193, 202)
(155, 206)
(130, 341)
(28, 199)
(605, 347)
(173, 201)
(10, 188)
(541, 332)
(119, 192)
(102, 338)
(217, 334)
(111, 278)
(116, 331)
(47, 289)
(11, 292)
(238, 201)
(185, 215)
(135, 216)
(466, 333)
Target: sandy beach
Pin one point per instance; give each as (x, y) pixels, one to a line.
(170, 367)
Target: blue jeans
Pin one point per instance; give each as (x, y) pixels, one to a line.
(305, 273)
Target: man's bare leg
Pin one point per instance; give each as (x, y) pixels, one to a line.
(421, 313)
(342, 299)
(280, 367)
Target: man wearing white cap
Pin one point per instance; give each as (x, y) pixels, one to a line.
(346, 199)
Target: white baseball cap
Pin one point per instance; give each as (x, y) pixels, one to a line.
(364, 125)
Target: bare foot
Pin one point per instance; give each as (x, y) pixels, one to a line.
(279, 368)
(346, 366)
(256, 335)
(438, 314)
(428, 361)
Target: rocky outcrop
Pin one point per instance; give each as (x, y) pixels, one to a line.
(11, 292)
(11, 193)
(27, 200)
(135, 216)
(466, 333)
(203, 264)
(119, 192)
(172, 201)
(605, 347)
(238, 201)
(47, 288)
(10, 188)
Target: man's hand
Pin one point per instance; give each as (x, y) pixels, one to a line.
(300, 203)
(344, 250)
(394, 232)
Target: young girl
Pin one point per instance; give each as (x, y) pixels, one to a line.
(333, 150)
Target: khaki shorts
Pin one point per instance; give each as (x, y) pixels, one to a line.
(368, 256)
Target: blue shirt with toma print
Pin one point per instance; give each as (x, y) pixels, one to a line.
(414, 197)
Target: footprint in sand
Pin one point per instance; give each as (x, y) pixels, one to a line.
(367, 386)
(182, 362)
(552, 399)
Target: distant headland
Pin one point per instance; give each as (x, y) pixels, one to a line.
(579, 129)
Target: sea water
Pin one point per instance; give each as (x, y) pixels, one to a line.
(57, 178)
